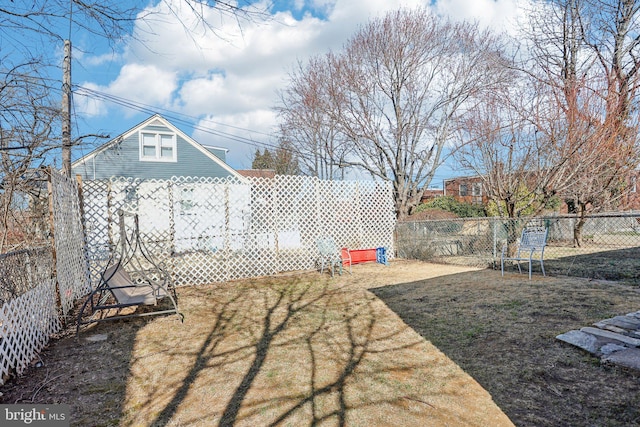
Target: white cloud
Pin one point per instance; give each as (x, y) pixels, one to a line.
(232, 76)
(90, 106)
(224, 95)
(228, 131)
(95, 60)
(499, 15)
(147, 84)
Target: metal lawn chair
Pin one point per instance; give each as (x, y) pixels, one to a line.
(531, 246)
(331, 256)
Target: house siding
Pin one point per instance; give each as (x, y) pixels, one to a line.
(218, 152)
(123, 159)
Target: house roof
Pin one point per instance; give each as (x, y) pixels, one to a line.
(164, 122)
(257, 173)
(212, 147)
(463, 178)
(433, 192)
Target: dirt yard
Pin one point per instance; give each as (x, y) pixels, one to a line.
(306, 349)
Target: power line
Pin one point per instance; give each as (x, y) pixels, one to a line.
(177, 117)
(187, 120)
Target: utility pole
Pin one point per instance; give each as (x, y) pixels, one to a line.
(66, 109)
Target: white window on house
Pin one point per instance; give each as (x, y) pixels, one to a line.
(476, 189)
(463, 190)
(634, 183)
(158, 147)
(476, 193)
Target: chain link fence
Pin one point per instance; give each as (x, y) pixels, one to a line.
(608, 246)
(22, 270)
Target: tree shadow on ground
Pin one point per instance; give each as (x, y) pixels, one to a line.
(89, 372)
(502, 332)
(620, 264)
(295, 351)
(254, 324)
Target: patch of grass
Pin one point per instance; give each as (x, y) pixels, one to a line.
(473, 332)
(361, 349)
(617, 264)
(513, 352)
(301, 349)
(104, 388)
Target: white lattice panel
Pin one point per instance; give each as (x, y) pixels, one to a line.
(96, 222)
(211, 230)
(377, 216)
(24, 269)
(293, 217)
(71, 262)
(26, 323)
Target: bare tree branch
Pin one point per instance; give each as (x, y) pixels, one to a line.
(389, 104)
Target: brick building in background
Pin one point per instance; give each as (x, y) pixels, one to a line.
(430, 194)
(466, 189)
(469, 189)
(631, 198)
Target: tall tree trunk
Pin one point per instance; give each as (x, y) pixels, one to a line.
(579, 225)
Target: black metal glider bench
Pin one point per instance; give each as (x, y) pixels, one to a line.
(117, 290)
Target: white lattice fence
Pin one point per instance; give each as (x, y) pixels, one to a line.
(71, 262)
(26, 323)
(96, 220)
(212, 230)
(28, 319)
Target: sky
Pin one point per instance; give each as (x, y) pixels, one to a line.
(221, 88)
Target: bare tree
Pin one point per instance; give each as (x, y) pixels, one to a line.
(27, 120)
(567, 128)
(525, 139)
(306, 126)
(586, 52)
(516, 143)
(389, 103)
(286, 160)
(610, 29)
(520, 143)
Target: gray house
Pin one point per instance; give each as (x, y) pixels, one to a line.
(153, 149)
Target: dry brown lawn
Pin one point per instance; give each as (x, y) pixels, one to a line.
(295, 350)
(502, 332)
(385, 346)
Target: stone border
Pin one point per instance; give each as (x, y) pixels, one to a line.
(615, 340)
